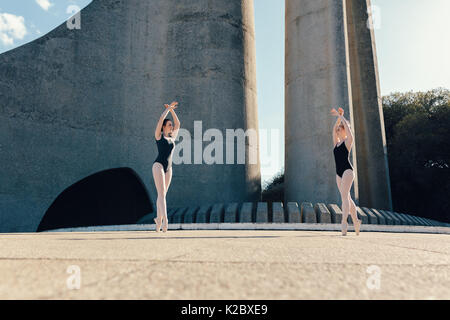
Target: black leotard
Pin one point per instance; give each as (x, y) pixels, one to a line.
(341, 158)
(165, 151)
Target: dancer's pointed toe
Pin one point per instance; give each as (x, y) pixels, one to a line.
(165, 226)
(344, 229)
(358, 227)
(158, 226)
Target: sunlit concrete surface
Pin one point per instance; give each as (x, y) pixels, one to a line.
(225, 264)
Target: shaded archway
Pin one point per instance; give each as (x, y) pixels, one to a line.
(115, 196)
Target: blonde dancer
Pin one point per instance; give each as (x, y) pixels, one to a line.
(343, 141)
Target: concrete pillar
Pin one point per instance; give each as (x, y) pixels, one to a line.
(317, 79)
(76, 102)
(373, 171)
(210, 67)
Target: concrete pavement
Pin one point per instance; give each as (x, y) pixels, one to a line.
(224, 264)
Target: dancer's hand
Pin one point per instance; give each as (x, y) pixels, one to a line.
(172, 106)
(341, 111)
(334, 112)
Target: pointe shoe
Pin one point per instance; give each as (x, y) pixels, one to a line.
(158, 226)
(358, 227)
(165, 226)
(344, 231)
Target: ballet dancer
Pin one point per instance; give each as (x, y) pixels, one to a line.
(165, 135)
(343, 141)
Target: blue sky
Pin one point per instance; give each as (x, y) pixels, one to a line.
(413, 47)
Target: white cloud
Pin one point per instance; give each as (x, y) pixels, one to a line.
(11, 27)
(44, 4)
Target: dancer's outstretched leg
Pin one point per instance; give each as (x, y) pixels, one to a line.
(346, 184)
(158, 176)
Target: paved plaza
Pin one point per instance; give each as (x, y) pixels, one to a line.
(224, 264)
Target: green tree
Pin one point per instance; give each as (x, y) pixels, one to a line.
(418, 142)
(273, 191)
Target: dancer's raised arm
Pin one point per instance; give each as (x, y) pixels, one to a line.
(160, 123)
(176, 121)
(338, 121)
(349, 133)
(335, 138)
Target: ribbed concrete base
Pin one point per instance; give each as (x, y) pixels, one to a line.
(279, 212)
(263, 226)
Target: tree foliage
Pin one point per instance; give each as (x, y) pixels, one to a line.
(274, 189)
(417, 128)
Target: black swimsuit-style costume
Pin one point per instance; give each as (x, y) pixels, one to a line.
(341, 158)
(165, 151)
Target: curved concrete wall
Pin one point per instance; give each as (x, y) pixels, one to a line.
(76, 102)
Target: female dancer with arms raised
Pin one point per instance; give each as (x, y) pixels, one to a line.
(165, 135)
(343, 141)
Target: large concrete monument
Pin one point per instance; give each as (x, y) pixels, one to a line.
(331, 62)
(79, 108)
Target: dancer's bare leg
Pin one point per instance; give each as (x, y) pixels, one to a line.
(353, 210)
(339, 183)
(346, 184)
(167, 180)
(356, 222)
(159, 178)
